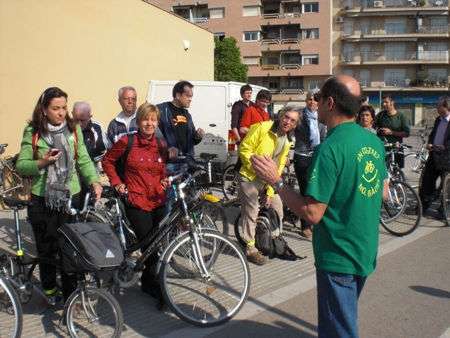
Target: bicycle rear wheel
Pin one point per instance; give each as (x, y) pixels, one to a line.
(394, 211)
(446, 199)
(11, 319)
(230, 186)
(101, 315)
(11, 182)
(205, 300)
(215, 213)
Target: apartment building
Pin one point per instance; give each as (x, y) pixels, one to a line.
(287, 44)
(400, 47)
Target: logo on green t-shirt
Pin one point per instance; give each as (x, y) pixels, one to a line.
(370, 182)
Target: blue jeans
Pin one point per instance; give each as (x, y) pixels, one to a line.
(170, 168)
(337, 298)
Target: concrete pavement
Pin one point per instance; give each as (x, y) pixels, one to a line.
(408, 294)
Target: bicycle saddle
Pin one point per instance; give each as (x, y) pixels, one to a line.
(207, 157)
(16, 203)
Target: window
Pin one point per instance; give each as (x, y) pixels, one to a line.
(251, 61)
(251, 36)
(251, 11)
(294, 84)
(348, 72)
(396, 28)
(395, 52)
(217, 13)
(219, 35)
(394, 77)
(438, 25)
(311, 33)
(310, 59)
(364, 78)
(272, 61)
(437, 74)
(365, 52)
(314, 85)
(273, 85)
(310, 8)
(349, 53)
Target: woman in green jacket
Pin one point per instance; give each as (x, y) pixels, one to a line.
(52, 149)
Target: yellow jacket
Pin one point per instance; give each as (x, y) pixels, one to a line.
(262, 139)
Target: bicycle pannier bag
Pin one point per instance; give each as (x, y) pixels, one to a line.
(442, 160)
(88, 247)
(268, 236)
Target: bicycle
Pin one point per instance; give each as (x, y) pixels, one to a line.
(10, 180)
(392, 166)
(415, 161)
(88, 310)
(11, 317)
(204, 276)
(401, 197)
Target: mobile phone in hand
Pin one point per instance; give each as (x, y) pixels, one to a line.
(54, 151)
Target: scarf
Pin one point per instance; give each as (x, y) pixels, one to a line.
(313, 127)
(59, 173)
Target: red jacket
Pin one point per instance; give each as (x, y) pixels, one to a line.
(253, 115)
(144, 170)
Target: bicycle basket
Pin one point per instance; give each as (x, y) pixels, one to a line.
(442, 160)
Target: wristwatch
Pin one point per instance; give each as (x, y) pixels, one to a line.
(277, 185)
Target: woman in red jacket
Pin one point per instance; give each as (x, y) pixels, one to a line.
(145, 178)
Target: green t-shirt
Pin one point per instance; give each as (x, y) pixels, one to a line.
(347, 173)
(397, 122)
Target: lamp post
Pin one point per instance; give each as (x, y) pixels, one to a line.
(379, 87)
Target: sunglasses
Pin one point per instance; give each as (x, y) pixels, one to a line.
(317, 96)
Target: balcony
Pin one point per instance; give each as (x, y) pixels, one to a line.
(352, 5)
(378, 32)
(392, 57)
(280, 15)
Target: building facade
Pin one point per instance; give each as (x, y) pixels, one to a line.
(288, 45)
(399, 47)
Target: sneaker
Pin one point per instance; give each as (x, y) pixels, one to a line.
(307, 233)
(257, 258)
(45, 303)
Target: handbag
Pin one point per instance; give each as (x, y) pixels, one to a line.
(442, 160)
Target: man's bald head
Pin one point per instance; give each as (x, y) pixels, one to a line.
(346, 93)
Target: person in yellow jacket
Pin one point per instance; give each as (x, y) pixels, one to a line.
(52, 152)
(272, 138)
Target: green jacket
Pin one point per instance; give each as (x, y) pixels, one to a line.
(261, 139)
(27, 166)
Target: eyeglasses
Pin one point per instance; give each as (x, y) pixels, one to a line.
(81, 120)
(317, 96)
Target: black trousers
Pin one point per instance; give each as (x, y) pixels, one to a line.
(45, 223)
(427, 187)
(142, 223)
(301, 165)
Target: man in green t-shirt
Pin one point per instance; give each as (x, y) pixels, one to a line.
(343, 199)
(392, 124)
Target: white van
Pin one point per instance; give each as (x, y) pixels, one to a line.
(210, 110)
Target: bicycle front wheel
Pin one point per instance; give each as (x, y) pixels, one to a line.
(94, 313)
(205, 298)
(230, 186)
(396, 211)
(11, 319)
(446, 199)
(413, 168)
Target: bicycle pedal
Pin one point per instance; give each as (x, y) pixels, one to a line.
(54, 299)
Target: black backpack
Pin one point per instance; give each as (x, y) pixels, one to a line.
(88, 247)
(120, 164)
(269, 240)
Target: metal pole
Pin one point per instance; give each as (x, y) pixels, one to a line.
(380, 86)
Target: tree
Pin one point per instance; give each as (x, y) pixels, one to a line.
(227, 61)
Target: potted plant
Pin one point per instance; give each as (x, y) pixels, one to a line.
(444, 83)
(432, 83)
